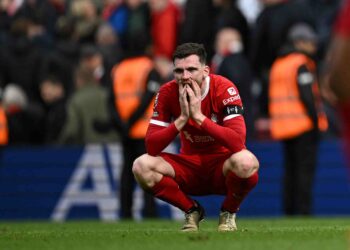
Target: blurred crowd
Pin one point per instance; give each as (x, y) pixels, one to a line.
(59, 59)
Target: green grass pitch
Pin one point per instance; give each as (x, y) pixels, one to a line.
(274, 233)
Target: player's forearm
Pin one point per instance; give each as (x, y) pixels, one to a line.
(199, 118)
(180, 122)
(158, 138)
(232, 138)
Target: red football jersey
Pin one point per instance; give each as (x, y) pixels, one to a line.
(221, 103)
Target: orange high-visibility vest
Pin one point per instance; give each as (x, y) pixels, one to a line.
(288, 114)
(129, 84)
(4, 133)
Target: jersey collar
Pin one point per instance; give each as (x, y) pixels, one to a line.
(207, 85)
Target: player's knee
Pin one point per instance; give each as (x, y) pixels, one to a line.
(139, 166)
(245, 164)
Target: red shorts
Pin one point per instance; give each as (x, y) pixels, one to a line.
(199, 174)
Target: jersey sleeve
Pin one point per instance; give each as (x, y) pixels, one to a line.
(232, 133)
(161, 130)
(229, 102)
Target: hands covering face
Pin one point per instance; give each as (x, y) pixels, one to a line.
(190, 99)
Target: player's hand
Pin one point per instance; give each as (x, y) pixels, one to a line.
(181, 121)
(195, 100)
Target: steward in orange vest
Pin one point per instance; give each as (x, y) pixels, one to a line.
(294, 99)
(133, 99)
(297, 117)
(4, 132)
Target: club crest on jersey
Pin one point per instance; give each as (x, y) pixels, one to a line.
(231, 91)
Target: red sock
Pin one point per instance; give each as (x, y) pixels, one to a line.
(237, 190)
(168, 190)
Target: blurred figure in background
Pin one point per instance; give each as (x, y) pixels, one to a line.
(228, 15)
(230, 62)
(115, 13)
(269, 35)
(24, 119)
(107, 43)
(337, 83)
(165, 21)
(297, 117)
(22, 60)
(87, 104)
(130, 104)
(198, 24)
(87, 19)
(54, 99)
(138, 23)
(92, 60)
(64, 56)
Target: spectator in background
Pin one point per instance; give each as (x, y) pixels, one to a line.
(198, 24)
(138, 23)
(230, 62)
(59, 5)
(87, 104)
(229, 15)
(43, 14)
(24, 119)
(22, 60)
(337, 83)
(92, 60)
(87, 19)
(107, 43)
(61, 61)
(162, 71)
(268, 36)
(53, 97)
(297, 117)
(325, 12)
(115, 13)
(5, 21)
(165, 21)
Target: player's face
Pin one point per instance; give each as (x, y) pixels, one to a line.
(190, 69)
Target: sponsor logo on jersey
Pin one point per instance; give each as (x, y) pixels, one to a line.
(231, 91)
(231, 99)
(188, 136)
(203, 138)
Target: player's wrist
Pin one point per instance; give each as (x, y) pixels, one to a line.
(199, 119)
(180, 122)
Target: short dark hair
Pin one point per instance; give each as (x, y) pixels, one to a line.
(187, 49)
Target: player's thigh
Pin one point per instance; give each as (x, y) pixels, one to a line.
(186, 168)
(150, 164)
